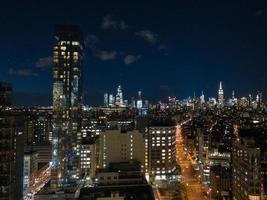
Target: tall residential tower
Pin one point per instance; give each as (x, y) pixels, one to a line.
(67, 100)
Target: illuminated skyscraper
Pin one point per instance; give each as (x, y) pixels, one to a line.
(106, 99)
(111, 100)
(220, 95)
(120, 94)
(259, 99)
(119, 97)
(202, 98)
(139, 94)
(67, 99)
(233, 94)
(139, 102)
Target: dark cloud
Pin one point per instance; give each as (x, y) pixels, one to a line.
(148, 36)
(163, 48)
(44, 62)
(258, 13)
(109, 23)
(22, 72)
(106, 55)
(91, 41)
(129, 59)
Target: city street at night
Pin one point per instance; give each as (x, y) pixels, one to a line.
(193, 187)
(41, 181)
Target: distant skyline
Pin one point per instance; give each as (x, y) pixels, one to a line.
(168, 48)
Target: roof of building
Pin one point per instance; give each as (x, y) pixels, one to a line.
(130, 192)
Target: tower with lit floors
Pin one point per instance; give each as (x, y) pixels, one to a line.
(220, 95)
(67, 100)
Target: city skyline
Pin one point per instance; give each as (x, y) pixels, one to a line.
(175, 50)
(140, 100)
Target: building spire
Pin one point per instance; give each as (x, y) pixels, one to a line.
(221, 95)
(233, 94)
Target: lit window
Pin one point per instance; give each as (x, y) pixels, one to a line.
(75, 43)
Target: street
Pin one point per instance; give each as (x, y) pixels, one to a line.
(41, 180)
(193, 187)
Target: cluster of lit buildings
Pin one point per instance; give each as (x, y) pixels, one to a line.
(95, 152)
(227, 144)
(115, 101)
(112, 102)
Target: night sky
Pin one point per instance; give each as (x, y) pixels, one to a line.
(160, 47)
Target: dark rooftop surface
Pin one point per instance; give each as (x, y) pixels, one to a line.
(130, 192)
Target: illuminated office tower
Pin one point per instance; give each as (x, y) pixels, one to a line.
(139, 102)
(117, 101)
(234, 99)
(120, 95)
(106, 99)
(202, 98)
(133, 103)
(250, 99)
(259, 99)
(111, 100)
(139, 94)
(67, 99)
(233, 94)
(146, 104)
(220, 95)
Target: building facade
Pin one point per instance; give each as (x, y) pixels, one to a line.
(88, 157)
(248, 171)
(11, 155)
(161, 153)
(117, 146)
(30, 169)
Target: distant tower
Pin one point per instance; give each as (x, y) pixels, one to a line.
(111, 100)
(220, 95)
(259, 99)
(233, 94)
(250, 99)
(202, 98)
(106, 99)
(234, 100)
(120, 95)
(133, 102)
(139, 94)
